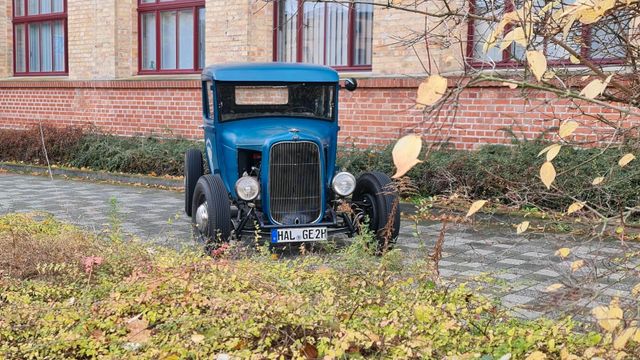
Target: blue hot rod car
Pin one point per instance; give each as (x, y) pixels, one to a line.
(270, 135)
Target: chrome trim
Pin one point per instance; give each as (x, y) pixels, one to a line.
(285, 186)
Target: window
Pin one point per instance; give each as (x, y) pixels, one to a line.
(244, 101)
(334, 34)
(171, 36)
(39, 37)
(603, 42)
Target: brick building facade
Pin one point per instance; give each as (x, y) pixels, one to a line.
(113, 67)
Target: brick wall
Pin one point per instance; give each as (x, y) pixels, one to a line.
(378, 112)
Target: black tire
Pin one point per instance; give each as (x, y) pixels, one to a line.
(211, 189)
(374, 189)
(193, 170)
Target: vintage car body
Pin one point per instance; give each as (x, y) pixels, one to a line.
(277, 145)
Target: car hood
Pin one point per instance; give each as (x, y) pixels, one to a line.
(255, 133)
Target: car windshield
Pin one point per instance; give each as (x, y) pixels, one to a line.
(306, 100)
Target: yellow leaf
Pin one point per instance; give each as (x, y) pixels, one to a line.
(548, 7)
(516, 35)
(545, 150)
(636, 290)
(574, 60)
(553, 151)
(405, 154)
(547, 174)
(626, 159)
(197, 338)
(537, 63)
(609, 317)
(566, 355)
(576, 206)
(595, 88)
(554, 287)
(536, 355)
(477, 205)
(431, 90)
(138, 331)
(636, 336)
(567, 128)
(563, 252)
(576, 265)
(621, 340)
(522, 227)
(510, 85)
(598, 180)
(567, 26)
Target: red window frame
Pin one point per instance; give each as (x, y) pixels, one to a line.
(26, 20)
(507, 61)
(299, 36)
(157, 7)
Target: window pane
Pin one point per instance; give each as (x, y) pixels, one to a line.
(46, 49)
(34, 47)
(482, 30)
(201, 37)
(313, 33)
(18, 6)
(168, 36)
(148, 41)
(58, 6)
(337, 35)
(609, 37)
(45, 6)
(287, 34)
(58, 46)
(21, 51)
(33, 7)
(186, 39)
(363, 42)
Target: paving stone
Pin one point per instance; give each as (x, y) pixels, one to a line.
(514, 299)
(512, 261)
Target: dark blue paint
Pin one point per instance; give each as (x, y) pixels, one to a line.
(224, 139)
(270, 72)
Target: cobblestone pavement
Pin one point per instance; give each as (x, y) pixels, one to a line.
(516, 270)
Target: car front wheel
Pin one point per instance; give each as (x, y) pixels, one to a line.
(380, 203)
(211, 211)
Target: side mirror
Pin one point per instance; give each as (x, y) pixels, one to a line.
(351, 84)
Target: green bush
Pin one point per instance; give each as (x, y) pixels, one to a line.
(506, 174)
(509, 174)
(87, 148)
(101, 298)
(26, 145)
(138, 155)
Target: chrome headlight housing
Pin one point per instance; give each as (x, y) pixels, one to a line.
(247, 188)
(344, 184)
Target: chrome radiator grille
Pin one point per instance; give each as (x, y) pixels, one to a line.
(295, 182)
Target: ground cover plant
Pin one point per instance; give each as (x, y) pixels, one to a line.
(68, 293)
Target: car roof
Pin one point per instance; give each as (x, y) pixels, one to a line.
(270, 72)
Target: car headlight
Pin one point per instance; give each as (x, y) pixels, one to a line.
(247, 188)
(344, 184)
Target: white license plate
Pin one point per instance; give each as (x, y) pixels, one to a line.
(298, 234)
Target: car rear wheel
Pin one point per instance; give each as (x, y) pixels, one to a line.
(193, 170)
(380, 203)
(211, 211)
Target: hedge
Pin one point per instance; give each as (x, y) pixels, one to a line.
(506, 174)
